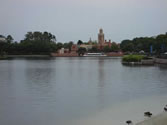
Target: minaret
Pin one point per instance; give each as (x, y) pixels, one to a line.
(90, 41)
(101, 37)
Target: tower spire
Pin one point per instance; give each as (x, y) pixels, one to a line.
(101, 37)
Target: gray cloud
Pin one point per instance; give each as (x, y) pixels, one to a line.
(81, 19)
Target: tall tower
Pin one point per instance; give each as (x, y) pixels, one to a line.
(101, 37)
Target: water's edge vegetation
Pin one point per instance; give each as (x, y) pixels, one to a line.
(133, 58)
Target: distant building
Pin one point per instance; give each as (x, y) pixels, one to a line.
(62, 51)
(89, 46)
(101, 37)
(90, 42)
(74, 48)
(99, 45)
(101, 40)
(2, 39)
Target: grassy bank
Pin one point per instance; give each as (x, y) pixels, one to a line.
(3, 57)
(133, 58)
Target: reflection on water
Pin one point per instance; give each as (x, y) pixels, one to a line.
(101, 83)
(58, 90)
(162, 66)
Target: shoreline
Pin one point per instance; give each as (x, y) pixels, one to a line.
(131, 110)
(27, 56)
(147, 62)
(160, 119)
(43, 56)
(76, 55)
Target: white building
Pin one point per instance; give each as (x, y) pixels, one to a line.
(61, 51)
(2, 39)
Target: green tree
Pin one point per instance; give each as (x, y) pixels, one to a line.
(3, 44)
(79, 42)
(70, 45)
(81, 51)
(59, 45)
(38, 43)
(107, 49)
(114, 47)
(161, 43)
(29, 36)
(127, 45)
(9, 39)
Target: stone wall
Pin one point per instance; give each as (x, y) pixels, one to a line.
(160, 61)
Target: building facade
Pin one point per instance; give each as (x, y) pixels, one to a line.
(101, 40)
(101, 37)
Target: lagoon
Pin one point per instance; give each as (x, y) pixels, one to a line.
(78, 91)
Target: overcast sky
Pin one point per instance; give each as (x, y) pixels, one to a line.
(71, 20)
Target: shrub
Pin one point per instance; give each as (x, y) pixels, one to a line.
(132, 58)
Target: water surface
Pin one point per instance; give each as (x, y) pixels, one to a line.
(60, 90)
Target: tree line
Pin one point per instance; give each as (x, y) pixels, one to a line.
(33, 43)
(157, 44)
(45, 43)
